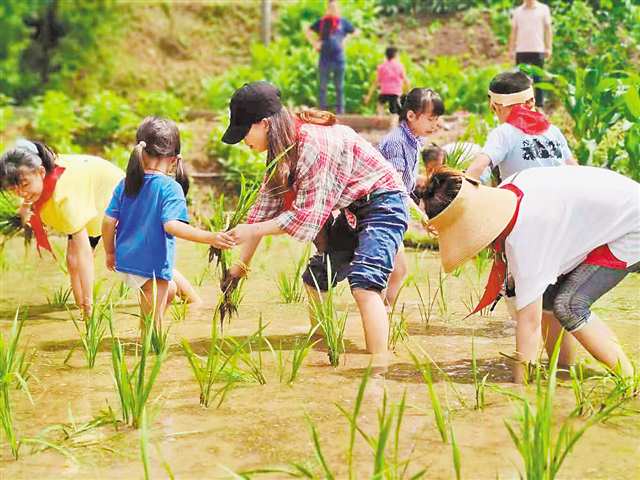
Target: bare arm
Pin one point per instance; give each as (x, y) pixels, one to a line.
(512, 39)
(571, 161)
(108, 240)
(480, 162)
(548, 39)
(187, 232)
(80, 265)
(528, 337)
(313, 39)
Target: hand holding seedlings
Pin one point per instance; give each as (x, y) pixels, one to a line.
(221, 240)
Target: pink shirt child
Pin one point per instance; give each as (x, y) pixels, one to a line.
(391, 75)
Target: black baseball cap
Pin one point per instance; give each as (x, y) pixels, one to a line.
(250, 104)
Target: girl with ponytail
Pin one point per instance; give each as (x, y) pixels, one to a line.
(147, 211)
(67, 193)
(420, 111)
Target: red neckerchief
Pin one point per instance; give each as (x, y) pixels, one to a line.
(604, 257)
(48, 187)
(529, 121)
(499, 269)
(334, 23)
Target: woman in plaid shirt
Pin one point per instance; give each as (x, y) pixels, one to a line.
(322, 167)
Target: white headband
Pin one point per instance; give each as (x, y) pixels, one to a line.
(506, 99)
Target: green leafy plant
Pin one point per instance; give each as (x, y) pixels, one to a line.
(438, 412)
(291, 289)
(60, 297)
(543, 451)
(92, 329)
(331, 322)
(134, 384)
(11, 370)
(56, 121)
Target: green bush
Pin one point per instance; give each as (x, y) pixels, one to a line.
(462, 88)
(56, 121)
(160, 104)
(236, 160)
(108, 117)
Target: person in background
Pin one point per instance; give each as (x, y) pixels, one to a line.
(391, 80)
(328, 35)
(531, 38)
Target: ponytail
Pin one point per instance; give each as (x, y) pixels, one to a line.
(47, 156)
(135, 171)
(317, 117)
(181, 175)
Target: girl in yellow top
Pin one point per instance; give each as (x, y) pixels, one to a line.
(69, 194)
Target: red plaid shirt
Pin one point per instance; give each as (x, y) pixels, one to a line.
(335, 167)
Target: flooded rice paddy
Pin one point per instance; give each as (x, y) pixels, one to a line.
(269, 426)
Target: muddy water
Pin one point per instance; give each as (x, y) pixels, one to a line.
(265, 425)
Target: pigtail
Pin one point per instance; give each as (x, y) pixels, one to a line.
(181, 175)
(135, 171)
(47, 156)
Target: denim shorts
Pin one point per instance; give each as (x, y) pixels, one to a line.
(571, 297)
(364, 255)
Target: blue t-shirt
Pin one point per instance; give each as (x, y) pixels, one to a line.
(332, 49)
(143, 247)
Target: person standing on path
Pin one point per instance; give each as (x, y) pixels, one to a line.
(327, 35)
(531, 38)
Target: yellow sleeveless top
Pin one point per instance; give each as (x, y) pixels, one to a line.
(82, 194)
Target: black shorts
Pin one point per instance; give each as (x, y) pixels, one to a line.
(93, 241)
(392, 100)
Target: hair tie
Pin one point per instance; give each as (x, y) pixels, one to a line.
(142, 144)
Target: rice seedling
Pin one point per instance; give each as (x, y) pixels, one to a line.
(159, 338)
(179, 310)
(455, 453)
(441, 294)
(144, 442)
(223, 221)
(398, 329)
(384, 444)
(542, 451)
(122, 293)
(199, 279)
(291, 288)
(478, 384)
(331, 322)
(460, 156)
(10, 221)
(92, 329)
(300, 351)
(9, 372)
(60, 297)
(439, 414)
(73, 435)
(134, 385)
(423, 309)
(243, 351)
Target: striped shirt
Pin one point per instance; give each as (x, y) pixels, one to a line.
(402, 148)
(335, 167)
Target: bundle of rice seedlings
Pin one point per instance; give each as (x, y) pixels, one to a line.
(10, 222)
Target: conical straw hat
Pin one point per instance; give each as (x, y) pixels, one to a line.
(472, 221)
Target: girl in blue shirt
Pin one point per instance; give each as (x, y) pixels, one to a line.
(147, 211)
(419, 116)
